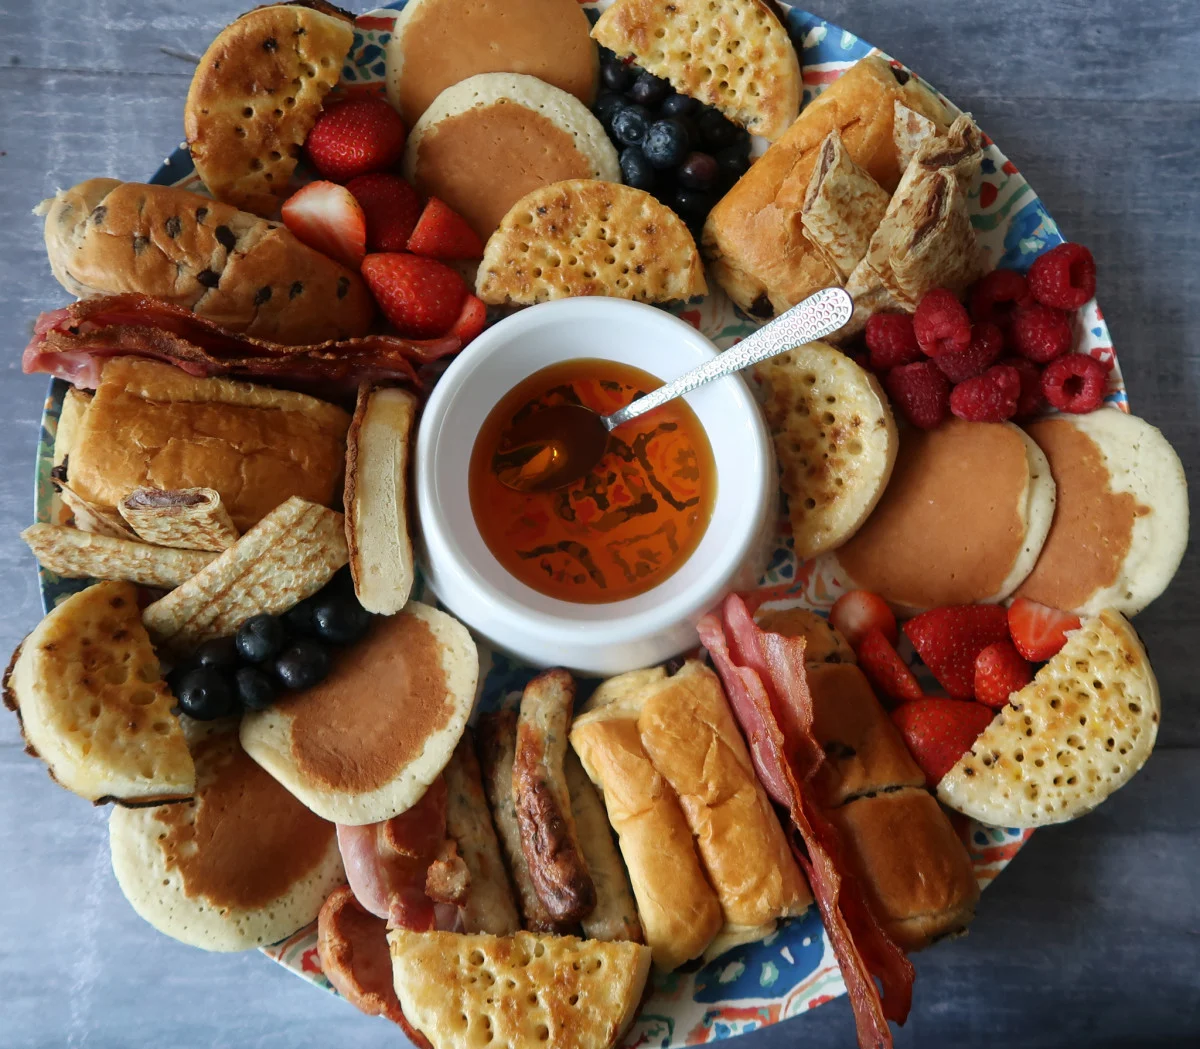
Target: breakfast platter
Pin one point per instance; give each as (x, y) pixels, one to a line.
(723, 588)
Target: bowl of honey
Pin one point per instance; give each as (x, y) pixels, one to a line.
(611, 572)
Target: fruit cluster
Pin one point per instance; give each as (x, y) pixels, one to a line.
(685, 153)
(270, 654)
(370, 219)
(980, 655)
(1005, 354)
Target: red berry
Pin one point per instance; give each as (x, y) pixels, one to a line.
(941, 323)
(999, 672)
(421, 297)
(1031, 400)
(949, 640)
(355, 137)
(471, 321)
(326, 216)
(921, 392)
(1075, 383)
(442, 233)
(1064, 277)
(938, 732)
(994, 297)
(1040, 333)
(857, 613)
(987, 343)
(988, 398)
(1039, 631)
(885, 669)
(892, 341)
(391, 206)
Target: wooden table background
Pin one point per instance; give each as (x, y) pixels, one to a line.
(1092, 937)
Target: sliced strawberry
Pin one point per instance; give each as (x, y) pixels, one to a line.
(470, 321)
(442, 233)
(422, 298)
(1039, 631)
(326, 216)
(950, 639)
(355, 137)
(885, 669)
(392, 208)
(940, 731)
(999, 672)
(858, 612)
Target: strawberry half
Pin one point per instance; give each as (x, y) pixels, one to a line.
(392, 208)
(326, 216)
(940, 731)
(355, 137)
(422, 298)
(442, 233)
(950, 639)
(999, 672)
(885, 669)
(857, 613)
(1039, 631)
(471, 320)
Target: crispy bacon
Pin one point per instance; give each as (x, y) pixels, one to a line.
(765, 679)
(73, 344)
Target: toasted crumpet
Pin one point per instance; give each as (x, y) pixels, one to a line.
(732, 54)
(585, 237)
(1079, 731)
(835, 440)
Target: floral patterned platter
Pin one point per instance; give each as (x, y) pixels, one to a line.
(794, 969)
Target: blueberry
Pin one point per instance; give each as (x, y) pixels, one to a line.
(693, 205)
(340, 619)
(715, 131)
(299, 619)
(649, 90)
(204, 694)
(255, 689)
(666, 143)
(679, 106)
(698, 171)
(220, 653)
(607, 103)
(629, 125)
(592, 14)
(636, 169)
(260, 638)
(732, 161)
(616, 75)
(301, 665)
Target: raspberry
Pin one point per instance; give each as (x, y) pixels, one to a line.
(1031, 400)
(1075, 383)
(921, 392)
(891, 340)
(988, 398)
(987, 343)
(941, 323)
(1040, 333)
(994, 297)
(1064, 277)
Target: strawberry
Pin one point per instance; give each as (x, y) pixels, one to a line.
(392, 208)
(1039, 631)
(857, 613)
(326, 216)
(355, 137)
(470, 321)
(939, 732)
(885, 669)
(422, 298)
(950, 639)
(999, 672)
(442, 233)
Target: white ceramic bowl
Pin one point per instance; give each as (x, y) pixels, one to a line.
(589, 638)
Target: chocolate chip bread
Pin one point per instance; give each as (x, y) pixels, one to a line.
(106, 237)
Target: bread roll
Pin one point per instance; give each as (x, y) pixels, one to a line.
(106, 237)
(680, 913)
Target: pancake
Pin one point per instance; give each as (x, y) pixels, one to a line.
(1121, 523)
(364, 744)
(969, 505)
(486, 142)
(438, 43)
(241, 865)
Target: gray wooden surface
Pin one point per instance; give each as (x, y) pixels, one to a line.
(1091, 938)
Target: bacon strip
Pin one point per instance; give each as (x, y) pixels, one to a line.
(765, 680)
(73, 344)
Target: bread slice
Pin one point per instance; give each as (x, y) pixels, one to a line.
(1079, 731)
(732, 54)
(523, 991)
(255, 96)
(835, 440)
(93, 706)
(585, 237)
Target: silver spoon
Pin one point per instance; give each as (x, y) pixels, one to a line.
(558, 445)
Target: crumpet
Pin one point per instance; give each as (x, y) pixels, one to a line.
(255, 96)
(586, 237)
(732, 54)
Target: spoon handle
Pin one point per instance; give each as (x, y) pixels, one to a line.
(819, 315)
